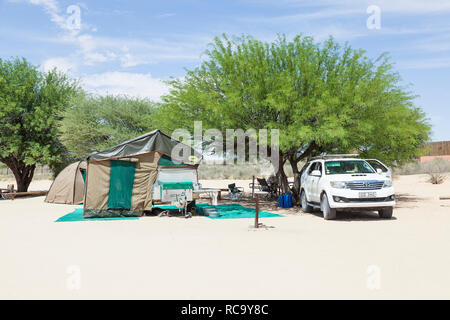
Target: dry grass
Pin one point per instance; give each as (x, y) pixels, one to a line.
(423, 168)
(436, 178)
(238, 172)
(436, 170)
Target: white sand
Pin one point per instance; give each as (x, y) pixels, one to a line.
(302, 256)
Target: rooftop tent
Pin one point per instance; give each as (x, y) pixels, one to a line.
(119, 180)
(68, 187)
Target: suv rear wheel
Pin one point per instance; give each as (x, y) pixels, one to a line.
(328, 213)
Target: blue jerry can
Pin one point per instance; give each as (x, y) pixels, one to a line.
(288, 201)
(281, 201)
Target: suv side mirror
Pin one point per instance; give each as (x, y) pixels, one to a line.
(379, 171)
(316, 173)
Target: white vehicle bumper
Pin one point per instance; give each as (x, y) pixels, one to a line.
(345, 198)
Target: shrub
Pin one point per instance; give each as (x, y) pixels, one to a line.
(436, 170)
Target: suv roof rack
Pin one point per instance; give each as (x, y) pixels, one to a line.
(331, 156)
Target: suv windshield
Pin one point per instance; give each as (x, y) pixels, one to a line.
(347, 167)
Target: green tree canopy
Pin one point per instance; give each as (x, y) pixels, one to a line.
(323, 97)
(94, 123)
(31, 103)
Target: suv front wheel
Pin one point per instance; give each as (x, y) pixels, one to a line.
(386, 213)
(304, 203)
(328, 213)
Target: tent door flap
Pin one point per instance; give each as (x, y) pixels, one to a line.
(121, 184)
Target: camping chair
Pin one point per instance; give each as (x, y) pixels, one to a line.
(5, 194)
(270, 188)
(234, 191)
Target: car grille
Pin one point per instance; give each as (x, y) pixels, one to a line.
(365, 185)
(357, 200)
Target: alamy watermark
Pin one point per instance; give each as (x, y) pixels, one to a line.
(241, 147)
(373, 281)
(374, 20)
(73, 280)
(73, 21)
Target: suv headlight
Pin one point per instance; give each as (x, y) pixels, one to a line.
(387, 184)
(338, 184)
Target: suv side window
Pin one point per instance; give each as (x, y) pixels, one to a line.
(319, 167)
(312, 168)
(377, 165)
(315, 166)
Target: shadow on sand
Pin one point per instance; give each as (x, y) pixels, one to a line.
(353, 215)
(405, 200)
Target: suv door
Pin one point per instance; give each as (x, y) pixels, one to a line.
(307, 180)
(377, 164)
(315, 192)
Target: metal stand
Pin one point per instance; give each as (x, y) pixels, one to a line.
(257, 194)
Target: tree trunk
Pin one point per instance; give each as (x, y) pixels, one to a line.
(22, 172)
(297, 177)
(23, 182)
(281, 175)
(294, 159)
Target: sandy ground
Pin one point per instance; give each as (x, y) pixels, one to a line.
(297, 256)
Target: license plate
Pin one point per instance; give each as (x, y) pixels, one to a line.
(367, 194)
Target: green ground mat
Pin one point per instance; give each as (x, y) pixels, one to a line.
(235, 211)
(77, 215)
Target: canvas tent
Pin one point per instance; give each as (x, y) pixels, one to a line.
(68, 187)
(120, 180)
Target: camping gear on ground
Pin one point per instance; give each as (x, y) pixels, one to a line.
(169, 210)
(285, 200)
(175, 192)
(270, 188)
(11, 195)
(211, 212)
(234, 191)
(220, 192)
(173, 183)
(212, 193)
(68, 187)
(232, 211)
(3, 194)
(122, 180)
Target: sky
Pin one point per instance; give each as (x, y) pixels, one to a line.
(132, 47)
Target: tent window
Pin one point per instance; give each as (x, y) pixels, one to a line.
(166, 161)
(121, 184)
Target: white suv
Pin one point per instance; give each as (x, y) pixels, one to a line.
(345, 183)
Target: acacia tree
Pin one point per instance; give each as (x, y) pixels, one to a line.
(323, 97)
(94, 123)
(31, 103)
